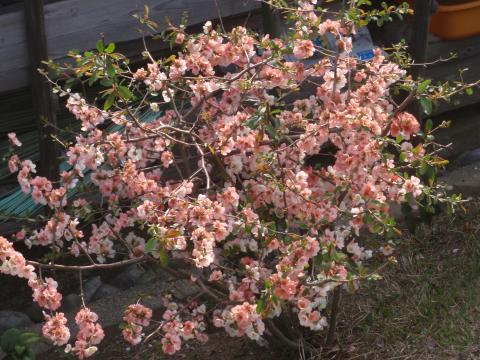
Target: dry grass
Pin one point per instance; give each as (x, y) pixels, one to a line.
(427, 306)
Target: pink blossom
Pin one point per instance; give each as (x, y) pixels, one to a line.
(179, 38)
(55, 330)
(303, 49)
(216, 275)
(13, 163)
(90, 333)
(45, 293)
(171, 344)
(138, 314)
(404, 124)
(132, 333)
(12, 138)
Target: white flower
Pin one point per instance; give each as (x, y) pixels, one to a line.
(154, 107)
(207, 27)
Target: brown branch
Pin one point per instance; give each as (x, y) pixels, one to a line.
(88, 267)
(162, 323)
(399, 109)
(281, 336)
(204, 167)
(405, 102)
(333, 318)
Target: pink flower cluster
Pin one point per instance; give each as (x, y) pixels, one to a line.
(45, 293)
(136, 316)
(89, 115)
(55, 329)
(404, 124)
(89, 335)
(241, 320)
(182, 324)
(13, 263)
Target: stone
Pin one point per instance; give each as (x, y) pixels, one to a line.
(128, 277)
(468, 158)
(91, 287)
(13, 319)
(71, 302)
(149, 277)
(183, 288)
(105, 291)
(465, 179)
(35, 313)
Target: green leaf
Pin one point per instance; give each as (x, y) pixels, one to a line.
(92, 79)
(261, 303)
(163, 256)
(108, 102)
(150, 245)
(252, 123)
(29, 337)
(8, 339)
(20, 349)
(106, 82)
(426, 105)
(125, 92)
(429, 125)
(100, 45)
(423, 86)
(339, 257)
(110, 48)
(367, 219)
(469, 91)
(271, 131)
(110, 70)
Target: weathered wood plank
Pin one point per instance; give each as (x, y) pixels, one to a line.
(468, 57)
(419, 47)
(77, 24)
(41, 90)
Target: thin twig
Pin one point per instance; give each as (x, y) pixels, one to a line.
(220, 16)
(80, 279)
(88, 267)
(204, 167)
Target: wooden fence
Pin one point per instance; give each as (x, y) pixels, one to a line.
(77, 24)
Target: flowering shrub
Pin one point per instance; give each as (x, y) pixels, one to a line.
(265, 195)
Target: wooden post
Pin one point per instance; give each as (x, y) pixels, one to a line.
(43, 103)
(419, 44)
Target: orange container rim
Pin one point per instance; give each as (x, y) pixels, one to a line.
(459, 7)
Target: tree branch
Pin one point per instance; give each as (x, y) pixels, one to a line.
(88, 267)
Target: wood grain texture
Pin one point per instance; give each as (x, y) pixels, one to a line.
(77, 24)
(43, 105)
(467, 53)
